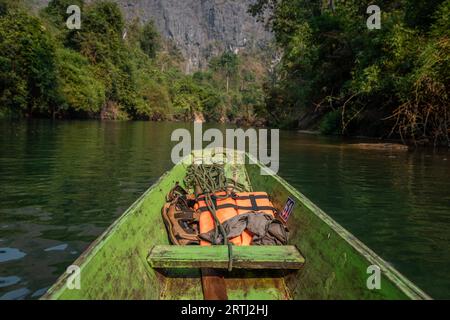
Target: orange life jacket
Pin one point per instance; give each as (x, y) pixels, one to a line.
(236, 204)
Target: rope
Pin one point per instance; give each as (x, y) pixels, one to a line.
(211, 179)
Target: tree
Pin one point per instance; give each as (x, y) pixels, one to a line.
(110, 69)
(27, 65)
(367, 82)
(228, 64)
(186, 98)
(9, 5)
(80, 92)
(149, 39)
(100, 40)
(57, 10)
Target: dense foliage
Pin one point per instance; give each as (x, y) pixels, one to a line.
(112, 69)
(335, 74)
(27, 67)
(342, 77)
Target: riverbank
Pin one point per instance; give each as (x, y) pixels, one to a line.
(370, 143)
(117, 70)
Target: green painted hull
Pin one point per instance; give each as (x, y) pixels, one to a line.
(115, 266)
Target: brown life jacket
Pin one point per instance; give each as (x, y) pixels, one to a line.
(180, 219)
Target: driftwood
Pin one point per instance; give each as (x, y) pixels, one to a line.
(378, 146)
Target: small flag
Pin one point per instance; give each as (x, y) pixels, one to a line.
(288, 208)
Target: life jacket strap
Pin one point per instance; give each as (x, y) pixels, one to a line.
(235, 196)
(254, 207)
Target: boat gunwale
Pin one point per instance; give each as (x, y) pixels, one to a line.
(399, 280)
(403, 283)
(98, 243)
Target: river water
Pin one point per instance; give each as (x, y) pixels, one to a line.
(63, 183)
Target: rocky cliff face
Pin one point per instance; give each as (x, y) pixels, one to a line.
(201, 28)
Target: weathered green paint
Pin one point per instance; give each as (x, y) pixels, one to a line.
(336, 262)
(244, 257)
(115, 266)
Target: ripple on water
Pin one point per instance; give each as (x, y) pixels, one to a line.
(40, 292)
(60, 247)
(8, 254)
(8, 281)
(16, 294)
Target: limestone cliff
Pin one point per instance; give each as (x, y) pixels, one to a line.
(200, 28)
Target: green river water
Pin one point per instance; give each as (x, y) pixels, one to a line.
(63, 183)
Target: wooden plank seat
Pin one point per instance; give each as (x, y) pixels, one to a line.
(216, 257)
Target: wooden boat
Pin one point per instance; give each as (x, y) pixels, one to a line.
(133, 258)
